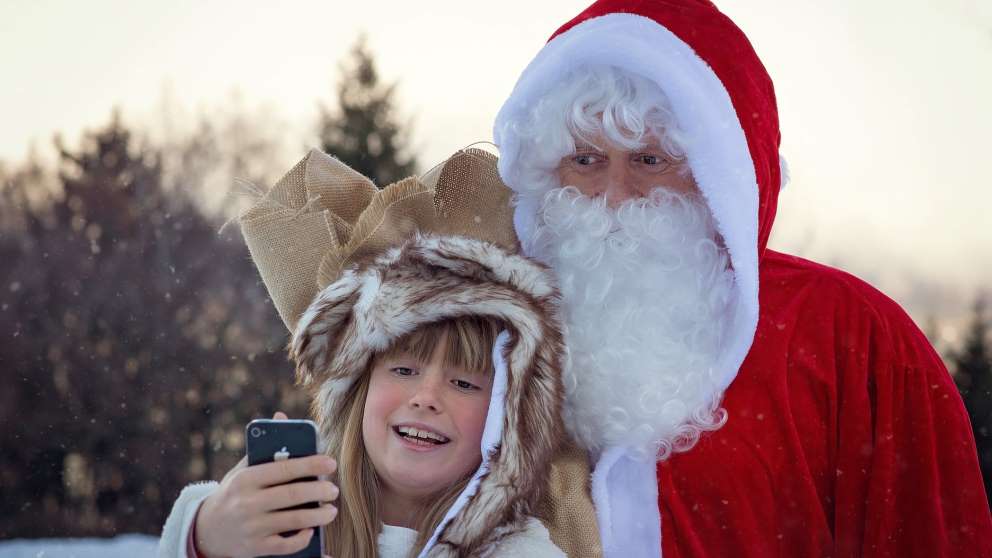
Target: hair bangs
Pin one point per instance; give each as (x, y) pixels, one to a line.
(468, 342)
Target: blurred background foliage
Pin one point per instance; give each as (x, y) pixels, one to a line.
(137, 340)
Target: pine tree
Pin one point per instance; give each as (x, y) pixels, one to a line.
(137, 344)
(973, 366)
(362, 132)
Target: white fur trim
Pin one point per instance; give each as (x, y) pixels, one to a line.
(175, 533)
(625, 494)
(715, 145)
(491, 435)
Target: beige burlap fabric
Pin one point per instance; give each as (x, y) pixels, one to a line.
(567, 508)
(322, 216)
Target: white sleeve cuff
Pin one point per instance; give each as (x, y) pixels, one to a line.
(175, 533)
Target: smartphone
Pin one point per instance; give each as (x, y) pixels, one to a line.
(268, 440)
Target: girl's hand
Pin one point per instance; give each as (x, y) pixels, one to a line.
(240, 518)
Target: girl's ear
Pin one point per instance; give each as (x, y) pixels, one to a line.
(321, 328)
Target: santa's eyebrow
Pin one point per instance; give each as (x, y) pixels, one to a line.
(585, 146)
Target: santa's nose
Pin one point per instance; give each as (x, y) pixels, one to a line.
(620, 185)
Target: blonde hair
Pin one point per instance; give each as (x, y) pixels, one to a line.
(469, 343)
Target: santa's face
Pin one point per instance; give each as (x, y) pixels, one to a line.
(600, 168)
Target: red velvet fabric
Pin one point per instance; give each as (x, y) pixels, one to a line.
(846, 436)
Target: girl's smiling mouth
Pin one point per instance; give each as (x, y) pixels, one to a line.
(420, 436)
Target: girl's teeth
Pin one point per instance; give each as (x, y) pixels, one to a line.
(421, 434)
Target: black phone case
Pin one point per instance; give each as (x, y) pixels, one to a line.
(266, 437)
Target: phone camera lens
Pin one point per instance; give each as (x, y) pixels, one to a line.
(256, 432)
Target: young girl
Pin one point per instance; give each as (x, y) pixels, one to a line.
(435, 375)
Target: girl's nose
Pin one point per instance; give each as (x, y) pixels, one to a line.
(426, 396)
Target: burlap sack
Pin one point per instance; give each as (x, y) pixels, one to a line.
(322, 216)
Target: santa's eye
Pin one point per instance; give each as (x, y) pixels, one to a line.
(586, 159)
(651, 162)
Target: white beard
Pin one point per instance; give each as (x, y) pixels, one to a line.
(646, 289)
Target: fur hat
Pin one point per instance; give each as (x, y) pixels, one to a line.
(425, 280)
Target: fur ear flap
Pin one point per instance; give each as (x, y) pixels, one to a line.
(319, 330)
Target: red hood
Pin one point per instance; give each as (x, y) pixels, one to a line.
(725, 49)
(723, 101)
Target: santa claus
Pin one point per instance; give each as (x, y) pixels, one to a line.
(731, 400)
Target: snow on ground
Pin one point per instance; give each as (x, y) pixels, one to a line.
(123, 546)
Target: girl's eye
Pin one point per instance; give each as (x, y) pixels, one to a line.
(402, 371)
(462, 384)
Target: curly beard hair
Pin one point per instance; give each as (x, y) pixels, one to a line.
(645, 289)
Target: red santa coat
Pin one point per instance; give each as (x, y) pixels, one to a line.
(846, 436)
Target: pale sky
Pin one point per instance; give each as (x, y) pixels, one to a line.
(883, 104)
